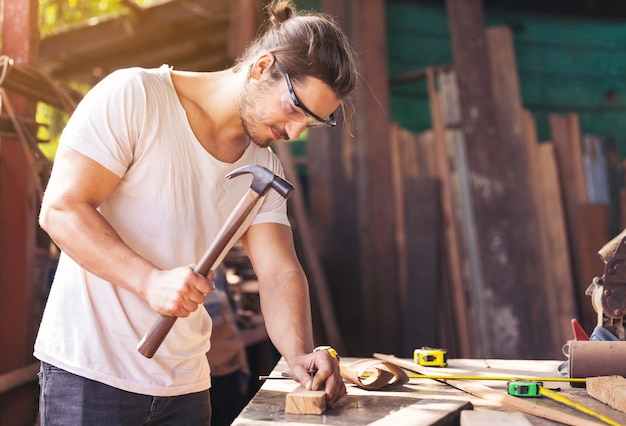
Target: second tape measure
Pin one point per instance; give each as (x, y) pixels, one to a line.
(525, 388)
(430, 357)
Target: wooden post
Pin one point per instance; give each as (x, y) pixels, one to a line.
(500, 192)
(19, 206)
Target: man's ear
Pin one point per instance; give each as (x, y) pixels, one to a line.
(262, 65)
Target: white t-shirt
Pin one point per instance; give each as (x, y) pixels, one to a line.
(171, 202)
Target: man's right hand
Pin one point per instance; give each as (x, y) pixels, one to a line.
(178, 292)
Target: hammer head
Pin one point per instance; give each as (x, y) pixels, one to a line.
(263, 180)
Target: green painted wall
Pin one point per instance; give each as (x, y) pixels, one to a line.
(564, 65)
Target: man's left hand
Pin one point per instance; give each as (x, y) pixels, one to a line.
(319, 370)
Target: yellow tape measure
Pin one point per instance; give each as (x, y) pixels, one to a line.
(429, 357)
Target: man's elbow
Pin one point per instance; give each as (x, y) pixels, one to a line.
(48, 217)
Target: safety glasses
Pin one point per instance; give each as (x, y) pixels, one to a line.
(297, 111)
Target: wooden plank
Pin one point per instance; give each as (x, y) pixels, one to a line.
(417, 237)
(566, 137)
(302, 401)
(520, 240)
(427, 413)
(398, 169)
(501, 205)
(595, 168)
(423, 248)
(425, 153)
(608, 389)
(527, 257)
(557, 273)
(560, 291)
(360, 250)
(622, 204)
(331, 160)
(374, 195)
(332, 202)
(496, 396)
(593, 234)
(614, 172)
(452, 262)
(409, 151)
(489, 418)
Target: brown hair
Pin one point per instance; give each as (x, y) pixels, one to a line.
(307, 45)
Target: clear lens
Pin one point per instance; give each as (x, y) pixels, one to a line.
(296, 113)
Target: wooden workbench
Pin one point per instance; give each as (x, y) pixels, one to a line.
(422, 401)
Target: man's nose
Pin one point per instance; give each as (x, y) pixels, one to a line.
(294, 129)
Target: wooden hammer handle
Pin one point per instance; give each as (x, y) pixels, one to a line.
(153, 339)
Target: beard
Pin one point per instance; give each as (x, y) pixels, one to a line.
(248, 120)
(251, 114)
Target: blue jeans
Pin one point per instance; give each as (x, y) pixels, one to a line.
(67, 399)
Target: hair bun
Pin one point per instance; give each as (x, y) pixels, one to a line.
(279, 11)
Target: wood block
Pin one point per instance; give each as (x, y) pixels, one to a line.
(609, 389)
(302, 401)
(488, 418)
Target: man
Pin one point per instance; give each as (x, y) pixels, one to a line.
(136, 195)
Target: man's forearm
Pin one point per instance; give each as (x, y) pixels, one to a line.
(287, 313)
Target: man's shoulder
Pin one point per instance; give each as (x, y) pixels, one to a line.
(137, 74)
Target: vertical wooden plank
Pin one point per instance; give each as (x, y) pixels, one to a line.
(568, 152)
(423, 248)
(331, 162)
(500, 194)
(374, 196)
(410, 156)
(366, 163)
(562, 303)
(476, 110)
(452, 258)
(595, 169)
(526, 230)
(418, 239)
(559, 288)
(332, 200)
(622, 203)
(397, 142)
(425, 153)
(19, 206)
(592, 236)
(614, 173)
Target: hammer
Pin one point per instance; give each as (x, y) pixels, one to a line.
(262, 181)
